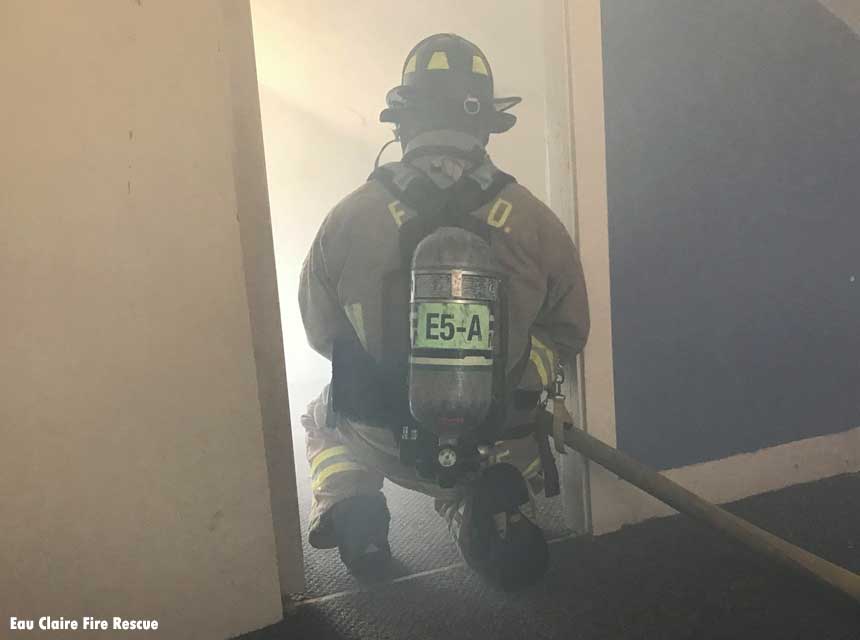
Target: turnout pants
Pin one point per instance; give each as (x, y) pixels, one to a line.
(349, 459)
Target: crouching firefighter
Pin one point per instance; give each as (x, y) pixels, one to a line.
(446, 297)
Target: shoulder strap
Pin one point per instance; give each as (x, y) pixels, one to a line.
(422, 195)
(437, 207)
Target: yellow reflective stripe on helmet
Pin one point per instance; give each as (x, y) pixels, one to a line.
(478, 66)
(411, 65)
(355, 313)
(439, 60)
(324, 455)
(340, 467)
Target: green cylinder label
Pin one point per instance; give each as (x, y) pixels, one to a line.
(451, 325)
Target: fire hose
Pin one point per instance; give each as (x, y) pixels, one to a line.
(687, 502)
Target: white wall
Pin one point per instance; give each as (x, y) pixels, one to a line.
(324, 70)
(133, 477)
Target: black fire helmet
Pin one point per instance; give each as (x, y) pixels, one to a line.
(447, 81)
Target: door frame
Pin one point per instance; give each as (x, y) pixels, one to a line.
(576, 186)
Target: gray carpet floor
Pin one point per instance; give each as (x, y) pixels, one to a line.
(664, 579)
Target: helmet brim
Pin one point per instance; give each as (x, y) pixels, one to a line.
(399, 97)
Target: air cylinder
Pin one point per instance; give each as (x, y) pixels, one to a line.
(454, 310)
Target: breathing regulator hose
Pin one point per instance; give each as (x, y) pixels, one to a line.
(687, 502)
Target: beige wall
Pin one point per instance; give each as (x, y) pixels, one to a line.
(846, 10)
(255, 230)
(133, 480)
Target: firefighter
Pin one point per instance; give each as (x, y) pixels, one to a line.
(354, 302)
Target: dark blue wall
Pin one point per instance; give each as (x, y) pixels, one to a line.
(733, 153)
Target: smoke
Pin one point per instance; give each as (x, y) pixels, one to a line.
(324, 69)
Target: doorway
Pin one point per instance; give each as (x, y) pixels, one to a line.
(323, 72)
